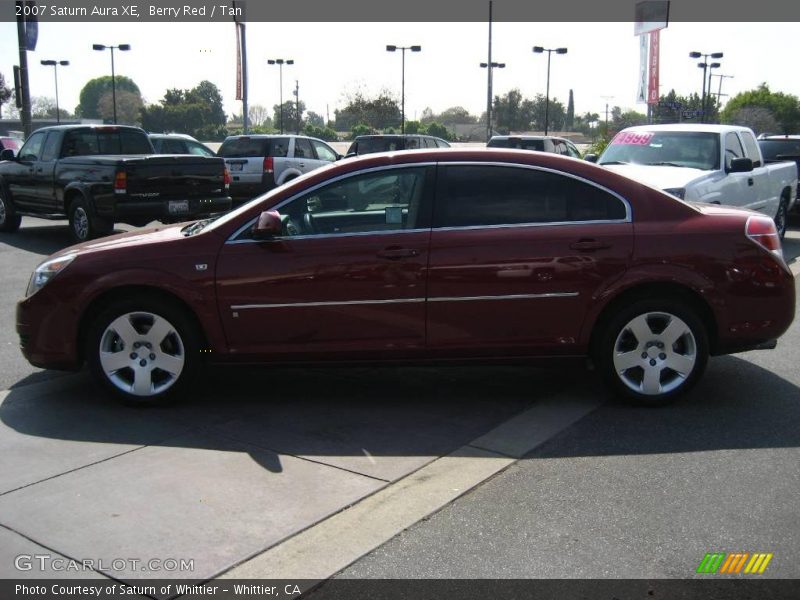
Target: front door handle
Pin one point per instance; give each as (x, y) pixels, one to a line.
(749, 181)
(397, 253)
(589, 245)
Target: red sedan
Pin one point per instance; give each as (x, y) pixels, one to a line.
(431, 255)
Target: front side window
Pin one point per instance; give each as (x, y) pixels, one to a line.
(387, 200)
(33, 147)
(324, 151)
(473, 196)
(733, 149)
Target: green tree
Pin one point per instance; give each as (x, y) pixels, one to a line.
(569, 123)
(672, 108)
(129, 107)
(415, 127)
(89, 106)
(290, 116)
(455, 115)
(784, 108)
(323, 133)
(314, 119)
(45, 108)
(360, 129)
(379, 113)
(197, 111)
(439, 130)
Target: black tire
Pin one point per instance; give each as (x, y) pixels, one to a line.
(782, 216)
(84, 225)
(9, 221)
(651, 380)
(182, 343)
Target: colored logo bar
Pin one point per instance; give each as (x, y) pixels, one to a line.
(734, 563)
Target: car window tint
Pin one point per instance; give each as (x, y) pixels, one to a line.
(752, 147)
(169, 146)
(387, 200)
(302, 148)
(572, 150)
(250, 147)
(198, 149)
(51, 146)
(442, 144)
(33, 147)
(82, 142)
(323, 151)
(471, 196)
(412, 143)
(777, 149)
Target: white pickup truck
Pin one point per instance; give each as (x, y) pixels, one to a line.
(720, 164)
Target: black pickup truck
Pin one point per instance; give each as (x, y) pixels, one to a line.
(96, 175)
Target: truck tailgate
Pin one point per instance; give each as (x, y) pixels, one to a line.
(179, 176)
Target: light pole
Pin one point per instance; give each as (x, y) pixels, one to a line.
(122, 48)
(490, 66)
(393, 48)
(719, 91)
(539, 50)
(54, 64)
(280, 62)
(704, 65)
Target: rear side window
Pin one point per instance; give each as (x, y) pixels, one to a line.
(302, 148)
(51, 146)
(248, 147)
(86, 142)
(751, 147)
(470, 196)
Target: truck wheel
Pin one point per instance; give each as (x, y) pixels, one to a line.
(9, 222)
(143, 350)
(83, 225)
(653, 351)
(782, 216)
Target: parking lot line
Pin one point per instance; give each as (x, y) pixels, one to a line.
(326, 548)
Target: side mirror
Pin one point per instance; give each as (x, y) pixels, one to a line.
(339, 156)
(350, 155)
(592, 158)
(268, 225)
(7, 154)
(740, 165)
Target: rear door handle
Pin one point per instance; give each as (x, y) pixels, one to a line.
(589, 245)
(397, 253)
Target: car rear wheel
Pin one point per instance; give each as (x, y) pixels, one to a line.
(143, 351)
(782, 216)
(83, 226)
(9, 222)
(653, 351)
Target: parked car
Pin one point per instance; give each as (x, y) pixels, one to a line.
(780, 148)
(369, 144)
(540, 143)
(10, 143)
(259, 163)
(721, 164)
(178, 143)
(472, 255)
(98, 175)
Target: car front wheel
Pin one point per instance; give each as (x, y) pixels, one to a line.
(653, 351)
(9, 222)
(782, 216)
(144, 352)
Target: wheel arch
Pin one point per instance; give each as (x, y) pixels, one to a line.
(126, 292)
(655, 290)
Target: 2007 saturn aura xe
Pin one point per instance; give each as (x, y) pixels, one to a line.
(429, 255)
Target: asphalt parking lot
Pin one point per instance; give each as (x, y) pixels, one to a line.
(372, 472)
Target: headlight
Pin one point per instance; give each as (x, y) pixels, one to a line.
(679, 192)
(46, 271)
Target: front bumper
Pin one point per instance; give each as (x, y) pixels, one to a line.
(47, 331)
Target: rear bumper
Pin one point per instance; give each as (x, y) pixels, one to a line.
(172, 209)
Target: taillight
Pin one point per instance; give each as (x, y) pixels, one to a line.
(121, 182)
(763, 232)
(226, 178)
(269, 165)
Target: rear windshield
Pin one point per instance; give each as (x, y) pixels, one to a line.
(517, 143)
(87, 142)
(245, 147)
(779, 149)
(370, 145)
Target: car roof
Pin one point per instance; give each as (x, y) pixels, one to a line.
(777, 138)
(527, 137)
(89, 126)
(394, 135)
(182, 136)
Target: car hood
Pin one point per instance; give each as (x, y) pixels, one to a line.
(138, 238)
(662, 177)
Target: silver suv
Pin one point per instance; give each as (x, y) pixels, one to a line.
(259, 163)
(540, 143)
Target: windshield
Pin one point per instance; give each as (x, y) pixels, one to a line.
(777, 149)
(695, 150)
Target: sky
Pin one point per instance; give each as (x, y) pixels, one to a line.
(333, 60)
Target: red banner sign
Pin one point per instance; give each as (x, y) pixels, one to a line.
(652, 71)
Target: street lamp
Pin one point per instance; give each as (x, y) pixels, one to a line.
(539, 50)
(54, 64)
(280, 62)
(490, 66)
(122, 48)
(705, 65)
(393, 48)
